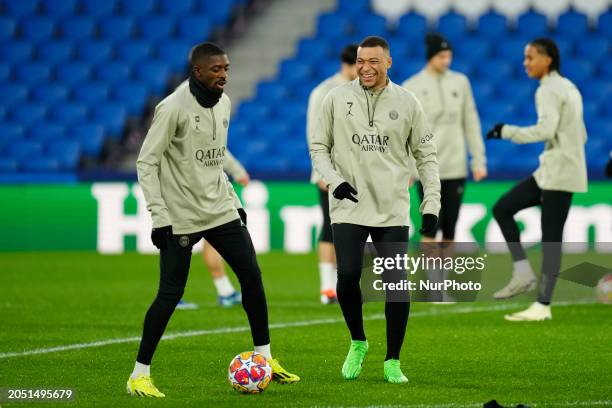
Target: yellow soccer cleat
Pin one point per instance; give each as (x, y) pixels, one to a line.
(281, 375)
(142, 386)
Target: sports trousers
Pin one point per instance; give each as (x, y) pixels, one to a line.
(349, 243)
(326, 230)
(451, 196)
(233, 242)
(555, 206)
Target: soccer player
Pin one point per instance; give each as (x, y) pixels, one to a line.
(327, 256)
(180, 170)
(366, 131)
(561, 173)
(227, 296)
(447, 100)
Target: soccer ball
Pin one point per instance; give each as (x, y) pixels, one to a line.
(604, 289)
(249, 372)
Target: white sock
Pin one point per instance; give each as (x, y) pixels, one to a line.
(140, 369)
(522, 269)
(264, 350)
(224, 286)
(329, 277)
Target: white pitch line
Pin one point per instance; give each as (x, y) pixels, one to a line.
(223, 330)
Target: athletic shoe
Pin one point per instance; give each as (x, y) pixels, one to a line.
(354, 359)
(537, 312)
(280, 375)
(393, 372)
(328, 297)
(516, 286)
(182, 305)
(142, 386)
(230, 300)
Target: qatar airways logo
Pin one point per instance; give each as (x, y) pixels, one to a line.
(371, 143)
(211, 157)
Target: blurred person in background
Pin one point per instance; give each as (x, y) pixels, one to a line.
(327, 256)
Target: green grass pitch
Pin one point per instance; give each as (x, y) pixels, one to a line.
(458, 355)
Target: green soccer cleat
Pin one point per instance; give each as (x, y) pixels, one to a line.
(280, 375)
(354, 359)
(142, 386)
(393, 372)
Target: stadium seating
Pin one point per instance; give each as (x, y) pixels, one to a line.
(73, 71)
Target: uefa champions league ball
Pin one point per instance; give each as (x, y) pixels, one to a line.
(249, 373)
(604, 289)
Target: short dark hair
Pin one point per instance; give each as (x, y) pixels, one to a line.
(349, 54)
(374, 41)
(204, 50)
(548, 47)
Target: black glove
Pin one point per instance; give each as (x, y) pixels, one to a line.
(429, 224)
(609, 168)
(242, 214)
(160, 236)
(345, 190)
(495, 131)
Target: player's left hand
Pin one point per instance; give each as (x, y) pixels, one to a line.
(244, 180)
(429, 225)
(243, 215)
(495, 132)
(479, 174)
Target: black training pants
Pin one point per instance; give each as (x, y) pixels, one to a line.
(233, 242)
(349, 243)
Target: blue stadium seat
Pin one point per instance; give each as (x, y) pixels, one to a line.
(271, 92)
(405, 70)
(112, 116)
(77, 28)
(273, 132)
(20, 8)
(253, 112)
(517, 90)
(28, 114)
(116, 28)
(492, 26)
(595, 48)
(302, 91)
(370, 24)
(59, 8)
(134, 52)
(353, 7)
(331, 25)
(112, 72)
(578, 71)
(155, 28)
(497, 111)
(218, 12)
(97, 8)
(91, 93)
(292, 113)
(11, 94)
(54, 52)
(8, 165)
(495, 70)
(176, 8)
(132, 95)
(483, 91)
(463, 66)
(532, 25)
(513, 49)
(15, 52)
(137, 8)
(51, 93)
(5, 72)
(73, 73)
(8, 26)
(155, 75)
(11, 131)
(22, 148)
(32, 73)
(69, 113)
(40, 164)
(400, 48)
(37, 28)
(194, 28)
(175, 54)
(604, 23)
(453, 26)
(572, 24)
(324, 71)
(472, 48)
(313, 49)
(66, 152)
(412, 26)
(47, 132)
(94, 52)
(292, 71)
(90, 137)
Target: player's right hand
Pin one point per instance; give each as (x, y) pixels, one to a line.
(160, 236)
(345, 190)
